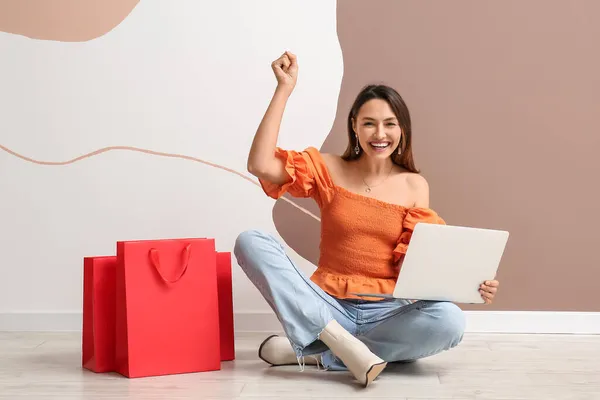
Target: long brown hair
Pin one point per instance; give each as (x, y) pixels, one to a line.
(393, 98)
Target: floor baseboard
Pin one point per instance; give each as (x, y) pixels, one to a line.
(526, 322)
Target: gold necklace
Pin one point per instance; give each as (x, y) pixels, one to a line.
(368, 187)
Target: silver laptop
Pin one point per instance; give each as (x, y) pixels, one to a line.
(448, 263)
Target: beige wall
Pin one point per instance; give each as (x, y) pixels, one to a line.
(505, 103)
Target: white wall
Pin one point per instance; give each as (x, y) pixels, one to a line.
(185, 77)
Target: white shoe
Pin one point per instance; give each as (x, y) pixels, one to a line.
(362, 363)
(277, 351)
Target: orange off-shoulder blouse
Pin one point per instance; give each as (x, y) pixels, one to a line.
(362, 238)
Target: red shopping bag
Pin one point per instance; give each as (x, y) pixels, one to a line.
(224, 284)
(98, 335)
(167, 315)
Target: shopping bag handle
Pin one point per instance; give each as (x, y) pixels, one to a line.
(156, 263)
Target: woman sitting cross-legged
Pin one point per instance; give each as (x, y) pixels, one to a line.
(370, 200)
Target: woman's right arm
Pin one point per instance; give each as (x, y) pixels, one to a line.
(262, 162)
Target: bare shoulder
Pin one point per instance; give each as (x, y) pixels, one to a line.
(333, 161)
(417, 181)
(331, 158)
(420, 188)
(335, 165)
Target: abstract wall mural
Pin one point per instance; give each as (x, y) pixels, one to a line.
(132, 120)
(143, 131)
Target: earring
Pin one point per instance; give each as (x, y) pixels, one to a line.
(356, 148)
(400, 147)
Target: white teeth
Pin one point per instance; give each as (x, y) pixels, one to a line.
(380, 145)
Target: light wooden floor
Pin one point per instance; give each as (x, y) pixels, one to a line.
(47, 366)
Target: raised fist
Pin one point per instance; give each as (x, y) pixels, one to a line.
(286, 70)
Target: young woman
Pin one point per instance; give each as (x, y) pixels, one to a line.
(370, 200)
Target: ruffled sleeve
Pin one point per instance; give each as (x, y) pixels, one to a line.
(413, 217)
(307, 176)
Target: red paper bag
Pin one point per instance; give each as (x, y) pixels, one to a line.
(225, 306)
(167, 315)
(98, 336)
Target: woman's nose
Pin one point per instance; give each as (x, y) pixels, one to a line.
(380, 132)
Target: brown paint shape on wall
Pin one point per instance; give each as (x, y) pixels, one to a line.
(505, 106)
(63, 20)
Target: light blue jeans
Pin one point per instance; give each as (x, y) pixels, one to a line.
(395, 330)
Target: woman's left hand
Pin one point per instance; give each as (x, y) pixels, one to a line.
(488, 290)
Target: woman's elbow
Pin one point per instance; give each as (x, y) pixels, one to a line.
(267, 172)
(256, 169)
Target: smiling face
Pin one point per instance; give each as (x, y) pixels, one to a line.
(379, 121)
(377, 128)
